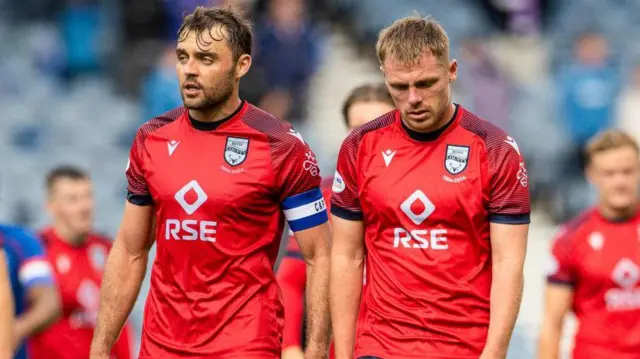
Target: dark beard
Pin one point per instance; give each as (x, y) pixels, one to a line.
(213, 96)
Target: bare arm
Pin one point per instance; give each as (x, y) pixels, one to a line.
(125, 270)
(558, 299)
(6, 314)
(44, 309)
(345, 288)
(314, 245)
(508, 249)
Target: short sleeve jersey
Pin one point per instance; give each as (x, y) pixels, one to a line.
(78, 271)
(427, 201)
(600, 260)
(221, 192)
(28, 267)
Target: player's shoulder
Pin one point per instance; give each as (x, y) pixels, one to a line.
(575, 229)
(15, 231)
(491, 134)
(160, 121)
(375, 126)
(19, 236)
(267, 124)
(46, 235)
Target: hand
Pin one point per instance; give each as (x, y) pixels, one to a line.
(293, 352)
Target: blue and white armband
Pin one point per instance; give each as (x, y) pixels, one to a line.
(305, 210)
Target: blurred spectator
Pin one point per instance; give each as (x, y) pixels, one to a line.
(77, 255)
(80, 24)
(160, 90)
(287, 55)
(629, 105)
(486, 87)
(588, 89)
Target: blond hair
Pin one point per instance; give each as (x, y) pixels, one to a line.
(407, 39)
(609, 140)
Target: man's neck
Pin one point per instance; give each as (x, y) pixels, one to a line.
(68, 236)
(617, 215)
(218, 113)
(447, 116)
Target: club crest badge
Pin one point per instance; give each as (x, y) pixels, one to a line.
(235, 151)
(456, 159)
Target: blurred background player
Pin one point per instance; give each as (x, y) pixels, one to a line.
(78, 256)
(363, 104)
(438, 200)
(37, 301)
(219, 216)
(7, 312)
(595, 263)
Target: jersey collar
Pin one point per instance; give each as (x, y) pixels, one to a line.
(429, 136)
(211, 126)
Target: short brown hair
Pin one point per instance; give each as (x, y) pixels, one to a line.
(408, 38)
(65, 171)
(366, 93)
(609, 140)
(205, 18)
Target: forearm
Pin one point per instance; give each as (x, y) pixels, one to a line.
(506, 295)
(38, 317)
(318, 317)
(6, 314)
(549, 342)
(120, 287)
(345, 292)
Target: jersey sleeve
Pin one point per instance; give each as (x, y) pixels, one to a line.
(298, 181)
(560, 268)
(34, 267)
(345, 202)
(137, 189)
(509, 202)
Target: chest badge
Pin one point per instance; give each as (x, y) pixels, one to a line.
(456, 159)
(235, 150)
(63, 263)
(596, 241)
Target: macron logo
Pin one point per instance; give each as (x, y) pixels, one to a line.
(513, 144)
(388, 156)
(172, 145)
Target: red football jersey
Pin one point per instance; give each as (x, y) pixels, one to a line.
(600, 260)
(78, 271)
(221, 192)
(427, 201)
